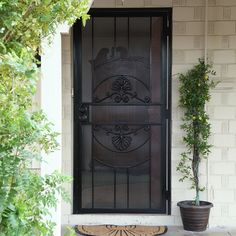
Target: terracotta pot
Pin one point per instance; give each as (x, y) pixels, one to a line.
(195, 218)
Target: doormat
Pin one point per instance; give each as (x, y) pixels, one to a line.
(115, 230)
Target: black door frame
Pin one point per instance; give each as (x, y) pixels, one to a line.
(166, 13)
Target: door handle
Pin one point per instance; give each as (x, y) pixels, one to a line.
(83, 113)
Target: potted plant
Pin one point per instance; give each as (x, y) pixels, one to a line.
(195, 86)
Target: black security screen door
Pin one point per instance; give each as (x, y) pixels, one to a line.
(121, 112)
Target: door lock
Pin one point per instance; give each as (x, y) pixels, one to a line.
(83, 113)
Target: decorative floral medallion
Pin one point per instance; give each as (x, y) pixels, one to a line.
(122, 87)
(122, 90)
(121, 141)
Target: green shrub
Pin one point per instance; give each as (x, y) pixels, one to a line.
(195, 86)
(25, 196)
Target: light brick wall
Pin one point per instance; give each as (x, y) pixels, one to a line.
(222, 109)
(188, 46)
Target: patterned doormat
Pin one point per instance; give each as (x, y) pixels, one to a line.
(115, 230)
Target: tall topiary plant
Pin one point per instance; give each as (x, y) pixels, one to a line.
(195, 86)
(25, 196)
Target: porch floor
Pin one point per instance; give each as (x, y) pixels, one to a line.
(218, 231)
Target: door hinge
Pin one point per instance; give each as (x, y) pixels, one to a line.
(168, 26)
(167, 113)
(168, 30)
(167, 193)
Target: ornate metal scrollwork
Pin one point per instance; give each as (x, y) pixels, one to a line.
(121, 141)
(121, 135)
(122, 90)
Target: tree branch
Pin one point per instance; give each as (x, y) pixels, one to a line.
(8, 35)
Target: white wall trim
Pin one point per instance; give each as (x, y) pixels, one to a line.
(51, 103)
(51, 100)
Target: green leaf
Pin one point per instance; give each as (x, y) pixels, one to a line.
(195, 88)
(25, 196)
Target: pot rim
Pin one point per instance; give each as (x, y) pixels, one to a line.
(184, 205)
